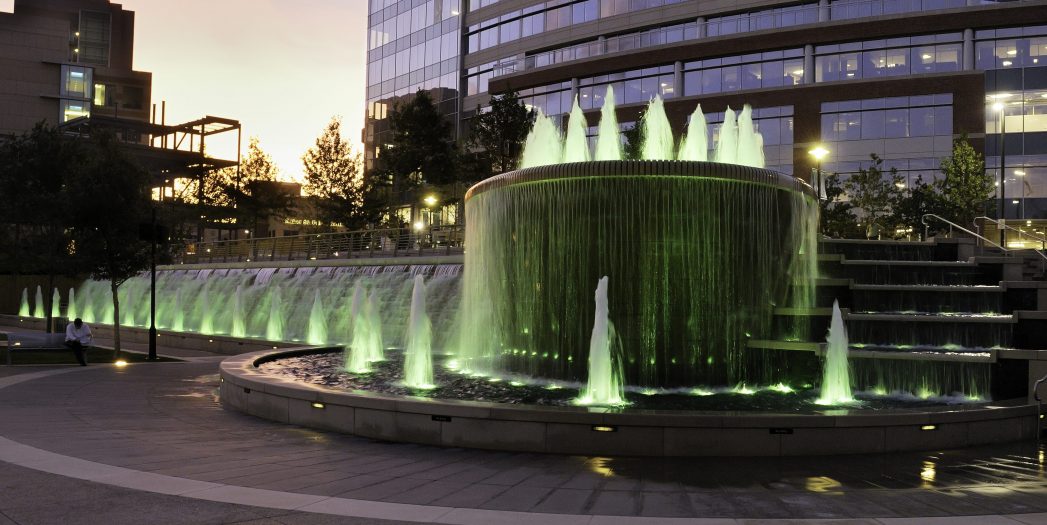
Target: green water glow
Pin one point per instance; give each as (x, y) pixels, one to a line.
(23, 308)
(418, 356)
(836, 372)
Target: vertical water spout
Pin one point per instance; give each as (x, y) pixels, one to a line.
(746, 137)
(727, 145)
(239, 328)
(317, 334)
(206, 312)
(23, 309)
(274, 326)
(605, 385)
(695, 144)
(358, 355)
(376, 344)
(177, 315)
(418, 359)
(88, 315)
(658, 143)
(127, 305)
(70, 309)
(56, 300)
(544, 145)
(576, 145)
(836, 379)
(38, 306)
(609, 137)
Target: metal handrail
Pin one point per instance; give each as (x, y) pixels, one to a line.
(1009, 227)
(927, 228)
(397, 242)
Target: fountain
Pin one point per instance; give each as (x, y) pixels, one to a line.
(239, 323)
(418, 359)
(695, 145)
(206, 309)
(274, 326)
(23, 309)
(317, 334)
(836, 378)
(543, 145)
(658, 142)
(727, 145)
(576, 144)
(375, 344)
(177, 315)
(38, 306)
(56, 301)
(70, 309)
(608, 138)
(604, 385)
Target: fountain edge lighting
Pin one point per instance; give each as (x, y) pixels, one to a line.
(609, 169)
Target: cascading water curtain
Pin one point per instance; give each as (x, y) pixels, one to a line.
(696, 267)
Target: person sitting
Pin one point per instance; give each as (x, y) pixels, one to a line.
(78, 338)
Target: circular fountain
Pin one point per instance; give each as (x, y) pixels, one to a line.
(698, 255)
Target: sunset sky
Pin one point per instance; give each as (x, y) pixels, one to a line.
(282, 68)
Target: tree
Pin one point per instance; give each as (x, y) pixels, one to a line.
(874, 195)
(335, 175)
(109, 201)
(920, 200)
(633, 147)
(422, 147)
(34, 173)
(966, 189)
(499, 133)
(257, 194)
(837, 214)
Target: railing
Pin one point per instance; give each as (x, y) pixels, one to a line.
(1006, 251)
(1021, 234)
(1035, 395)
(403, 242)
(729, 25)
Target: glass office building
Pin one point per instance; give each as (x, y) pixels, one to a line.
(898, 78)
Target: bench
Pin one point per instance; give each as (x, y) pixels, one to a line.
(22, 341)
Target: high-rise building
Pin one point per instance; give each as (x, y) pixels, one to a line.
(65, 59)
(898, 78)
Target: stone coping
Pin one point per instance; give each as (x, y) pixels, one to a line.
(610, 431)
(610, 169)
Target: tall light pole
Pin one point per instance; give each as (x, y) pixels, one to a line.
(999, 107)
(819, 153)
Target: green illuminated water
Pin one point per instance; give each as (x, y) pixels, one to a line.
(696, 266)
(418, 358)
(604, 386)
(836, 377)
(70, 311)
(23, 308)
(38, 306)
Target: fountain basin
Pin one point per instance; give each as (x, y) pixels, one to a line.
(608, 431)
(698, 254)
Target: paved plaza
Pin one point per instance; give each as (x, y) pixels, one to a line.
(108, 445)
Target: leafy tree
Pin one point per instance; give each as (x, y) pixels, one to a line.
(920, 199)
(874, 195)
(422, 148)
(257, 194)
(108, 202)
(837, 214)
(633, 147)
(335, 175)
(34, 174)
(966, 190)
(499, 132)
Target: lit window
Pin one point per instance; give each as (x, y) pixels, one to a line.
(74, 109)
(99, 99)
(76, 82)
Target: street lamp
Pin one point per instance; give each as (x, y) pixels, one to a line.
(999, 107)
(819, 153)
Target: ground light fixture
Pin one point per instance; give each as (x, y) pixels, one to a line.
(120, 363)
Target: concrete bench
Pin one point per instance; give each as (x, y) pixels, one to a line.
(26, 341)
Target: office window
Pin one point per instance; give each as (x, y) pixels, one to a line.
(95, 29)
(76, 82)
(74, 109)
(100, 95)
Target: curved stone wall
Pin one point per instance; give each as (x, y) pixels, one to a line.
(599, 431)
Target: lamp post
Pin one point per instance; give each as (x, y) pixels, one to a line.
(819, 153)
(999, 107)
